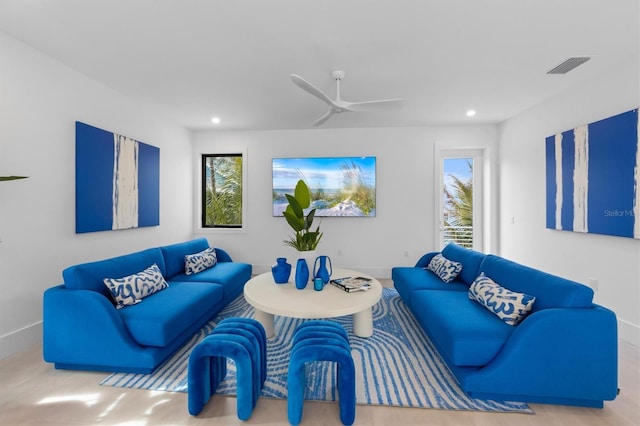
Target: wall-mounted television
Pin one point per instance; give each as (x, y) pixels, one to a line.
(339, 186)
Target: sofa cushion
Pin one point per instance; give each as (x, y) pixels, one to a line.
(408, 279)
(549, 290)
(89, 276)
(163, 316)
(470, 260)
(174, 254)
(465, 333)
(447, 270)
(133, 288)
(510, 306)
(228, 274)
(194, 263)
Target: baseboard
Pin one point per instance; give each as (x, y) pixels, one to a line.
(629, 332)
(19, 340)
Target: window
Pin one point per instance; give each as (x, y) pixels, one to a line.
(460, 203)
(222, 179)
(457, 213)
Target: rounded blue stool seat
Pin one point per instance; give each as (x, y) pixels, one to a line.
(308, 332)
(323, 325)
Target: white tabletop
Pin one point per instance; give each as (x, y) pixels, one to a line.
(264, 294)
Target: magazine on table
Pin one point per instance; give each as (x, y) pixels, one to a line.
(351, 284)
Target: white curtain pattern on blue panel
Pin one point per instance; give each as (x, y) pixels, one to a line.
(125, 182)
(117, 181)
(593, 177)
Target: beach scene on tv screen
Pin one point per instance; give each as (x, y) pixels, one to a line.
(339, 186)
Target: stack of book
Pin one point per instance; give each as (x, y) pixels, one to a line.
(351, 284)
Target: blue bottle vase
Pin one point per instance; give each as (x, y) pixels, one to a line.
(302, 274)
(281, 270)
(320, 268)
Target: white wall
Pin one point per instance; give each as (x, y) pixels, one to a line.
(40, 100)
(613, 261)
(403, 228)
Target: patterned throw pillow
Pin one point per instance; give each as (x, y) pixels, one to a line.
(444, 268)
(509, 306)
(194, 263)
(132, 289)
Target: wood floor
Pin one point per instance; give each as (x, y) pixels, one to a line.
(32, 392)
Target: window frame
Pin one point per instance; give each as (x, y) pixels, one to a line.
(479, 155)
(201, 195)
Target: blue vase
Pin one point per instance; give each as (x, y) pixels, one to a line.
(320, 268)
(281, 270)
(302, 274)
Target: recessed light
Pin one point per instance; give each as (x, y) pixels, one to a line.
(215, 120)
(471, 113)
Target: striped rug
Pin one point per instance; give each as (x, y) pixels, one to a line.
(397, 366)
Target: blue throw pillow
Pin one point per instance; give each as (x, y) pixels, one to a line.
(132, 289)
(509, 306)
(194, 263)
(444, 268)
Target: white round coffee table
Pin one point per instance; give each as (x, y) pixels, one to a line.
(270, 299)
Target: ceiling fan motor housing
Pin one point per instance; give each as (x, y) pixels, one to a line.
(337, 75)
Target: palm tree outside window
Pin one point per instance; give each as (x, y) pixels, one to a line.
(222, 190)
(458, 201)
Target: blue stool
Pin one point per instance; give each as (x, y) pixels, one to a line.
(245, 343)
(321, 342)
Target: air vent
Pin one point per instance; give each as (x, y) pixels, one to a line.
(568, 65)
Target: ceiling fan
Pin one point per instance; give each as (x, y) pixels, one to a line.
(338, 105)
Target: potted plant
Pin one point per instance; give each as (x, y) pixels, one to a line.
(304, 239)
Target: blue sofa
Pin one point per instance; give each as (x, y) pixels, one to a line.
(563, 352)
(83, 330)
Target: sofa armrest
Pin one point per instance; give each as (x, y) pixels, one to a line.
(222, 255)
(82, 329)
(425, 259)
(566, 356)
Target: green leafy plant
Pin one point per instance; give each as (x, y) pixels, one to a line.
(459, 209)
(223, 196)
(305, 238)
(12, 177)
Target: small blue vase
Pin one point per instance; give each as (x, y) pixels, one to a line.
(281, 270)
(302, 274)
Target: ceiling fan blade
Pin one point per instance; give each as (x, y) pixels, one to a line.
(381, 105)
(308, 87)
(322, 119)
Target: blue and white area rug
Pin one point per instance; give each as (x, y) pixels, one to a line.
(397, 366)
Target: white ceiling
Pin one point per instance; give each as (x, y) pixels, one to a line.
(232, 59)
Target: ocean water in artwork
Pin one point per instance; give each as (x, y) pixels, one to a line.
(339, 186)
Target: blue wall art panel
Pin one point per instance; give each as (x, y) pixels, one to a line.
(593, 177)
(117, 181)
